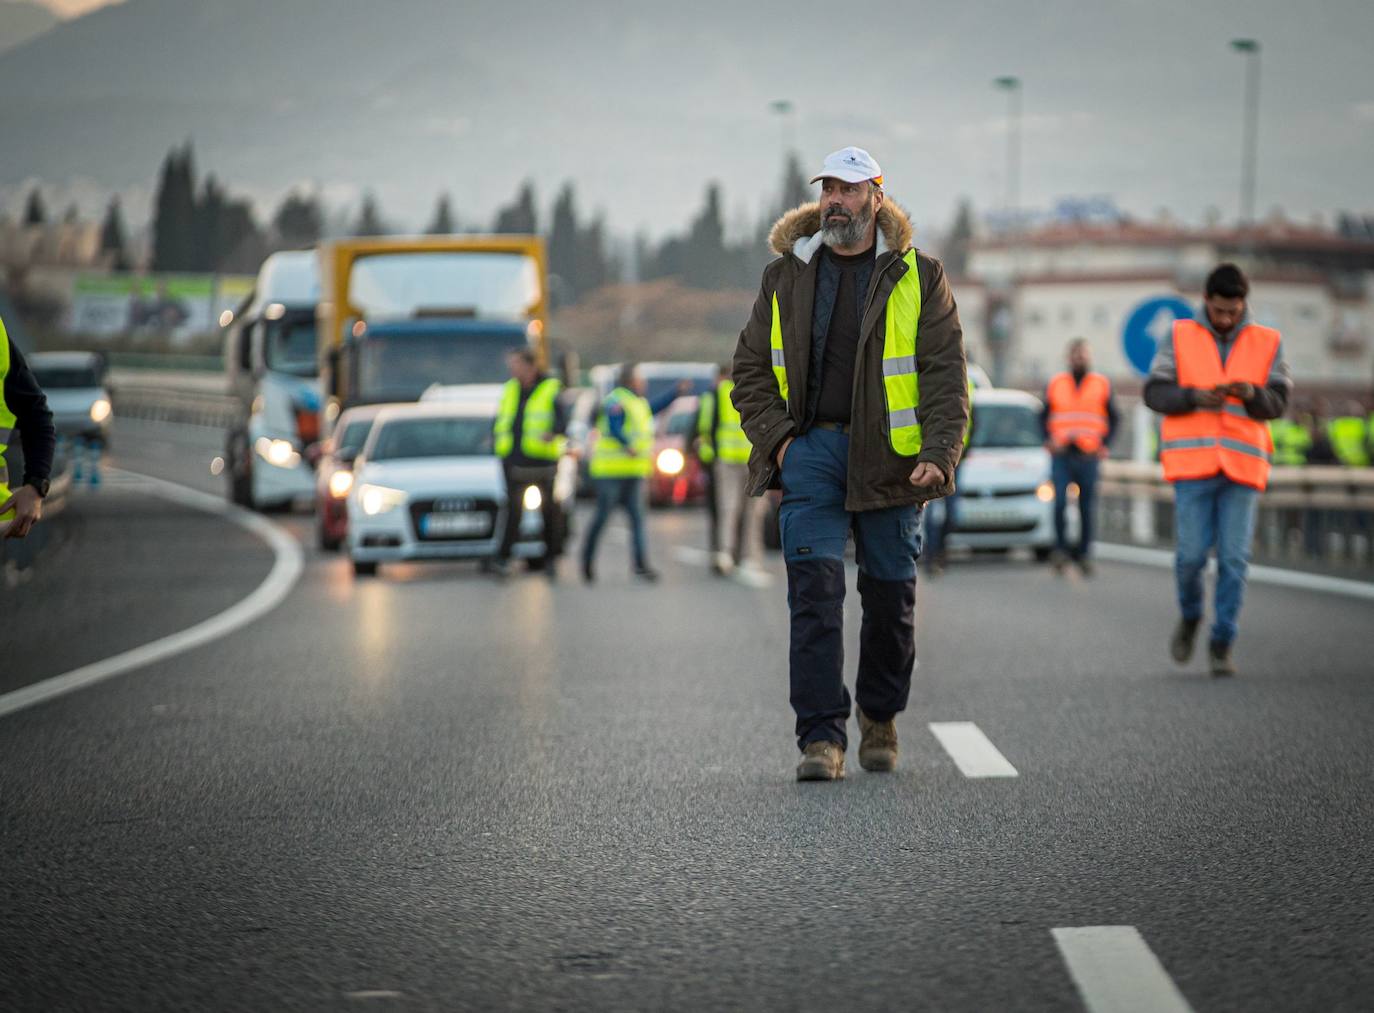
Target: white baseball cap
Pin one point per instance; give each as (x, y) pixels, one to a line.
(853, 165)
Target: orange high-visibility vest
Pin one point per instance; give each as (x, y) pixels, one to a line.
(1223, 440)
(1078, 412)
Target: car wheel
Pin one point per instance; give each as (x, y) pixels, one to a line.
(361, 569)
(326, 543)
(1043, 553)
(239, 471)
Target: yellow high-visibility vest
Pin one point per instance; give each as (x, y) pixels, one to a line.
(7, 421)
(726, 440)
(900, 388)
(537, 438)
(610, 457)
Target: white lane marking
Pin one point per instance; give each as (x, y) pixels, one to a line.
(1115, 971)
(968, 747)
(287, 565)
(1259, 574)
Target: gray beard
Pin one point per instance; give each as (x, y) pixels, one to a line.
(850, 233)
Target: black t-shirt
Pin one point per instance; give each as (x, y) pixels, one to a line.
(842, 337)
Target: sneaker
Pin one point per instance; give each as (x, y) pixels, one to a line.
(821, 761)
(1181, 646)
(878, 747)
(588, 572)
(646, 573)
(1085, 566)
(1219, 655)
(1060, 563)
(498, 568)
(722, 564)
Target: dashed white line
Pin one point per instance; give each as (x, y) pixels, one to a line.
(286, 568)
(1115, 971)
(971, 750)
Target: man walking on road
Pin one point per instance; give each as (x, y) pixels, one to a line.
(529, 430)
(849, 318)
(1217, 382)
(23, 406)
(1079, 421)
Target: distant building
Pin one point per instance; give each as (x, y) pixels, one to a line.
(1023, 298)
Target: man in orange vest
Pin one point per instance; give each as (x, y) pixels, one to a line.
(1217, 382)
(1079, 420)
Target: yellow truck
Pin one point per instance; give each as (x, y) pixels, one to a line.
(398, 315)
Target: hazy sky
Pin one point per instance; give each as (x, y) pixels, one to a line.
(642, 103)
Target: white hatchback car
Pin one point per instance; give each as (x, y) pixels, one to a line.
(1006, 498)
(428, 485)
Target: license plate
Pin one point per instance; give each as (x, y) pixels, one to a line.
(440, 525)
(979, 515)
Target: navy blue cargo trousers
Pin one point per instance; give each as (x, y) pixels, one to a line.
(815, 526)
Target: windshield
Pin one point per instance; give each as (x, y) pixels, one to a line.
(657, 386)
(354, 436)
(1006, 425)
(682, 423)
(442, 437)
(290, 346)
(400, 367)
(65, 377)
(503, 286)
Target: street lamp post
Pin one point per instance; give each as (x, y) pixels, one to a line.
(1250, 48)
(1000, 348)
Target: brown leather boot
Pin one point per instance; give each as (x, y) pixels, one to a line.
(821, 761)
(878, 747)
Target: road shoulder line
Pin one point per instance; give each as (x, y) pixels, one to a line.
(287, 566)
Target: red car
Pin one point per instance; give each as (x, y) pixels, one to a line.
(678, 477)
(334, 473)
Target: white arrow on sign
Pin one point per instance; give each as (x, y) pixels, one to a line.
(1162, 324)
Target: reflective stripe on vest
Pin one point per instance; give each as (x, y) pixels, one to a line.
(718, 425)
(7, 421)
(1078, 411)
(537, 438)
(1226, 441)
(610, 458)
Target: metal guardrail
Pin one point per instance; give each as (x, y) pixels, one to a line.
(181, 396)
(1313, 517)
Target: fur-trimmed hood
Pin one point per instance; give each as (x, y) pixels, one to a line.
(799, 231)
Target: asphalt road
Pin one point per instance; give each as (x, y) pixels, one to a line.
(431, 790)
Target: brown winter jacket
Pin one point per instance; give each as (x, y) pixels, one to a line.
(878, 476)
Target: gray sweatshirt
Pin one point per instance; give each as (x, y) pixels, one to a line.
(1164, 395)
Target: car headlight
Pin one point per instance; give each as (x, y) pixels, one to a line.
(277, 452)
(100, 410)
(339, 484)
(378, 499)
(533, 498)
(1045, 492)
(670, 461)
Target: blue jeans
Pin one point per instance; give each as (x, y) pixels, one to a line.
(1072, 466)
(628, 494)
(815, 526)
(1212, 512)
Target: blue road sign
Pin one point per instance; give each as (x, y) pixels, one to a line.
(1150, 323)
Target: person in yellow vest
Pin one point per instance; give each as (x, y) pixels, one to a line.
(734, 515)
(1292, 441)
(1217, 381)
(23, 408)
(621, 459)
(1350, 437)
(1079, 420)
(529, 437)
(852, 386)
